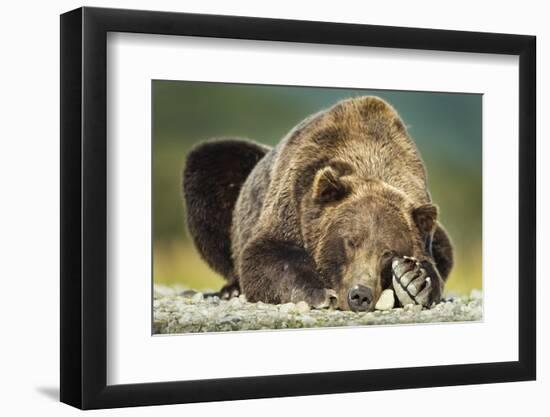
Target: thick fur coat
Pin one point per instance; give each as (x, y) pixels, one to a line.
(338, 211)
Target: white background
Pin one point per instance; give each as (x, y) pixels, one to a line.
(133, 60)
(30, 205)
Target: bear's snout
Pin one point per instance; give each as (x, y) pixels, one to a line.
(360, 298)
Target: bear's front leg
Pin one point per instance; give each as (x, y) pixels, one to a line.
(416, 282)
(279, 272)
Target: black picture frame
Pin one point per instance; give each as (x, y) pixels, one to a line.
(84, 207)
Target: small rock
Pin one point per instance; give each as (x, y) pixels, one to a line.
(302, 307)
(448, 307)
(234, 302)
(213, 300)
(386, 300)
(412, 307)
(198, 297)
(287, 308)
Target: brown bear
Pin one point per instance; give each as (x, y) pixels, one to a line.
(334, 214)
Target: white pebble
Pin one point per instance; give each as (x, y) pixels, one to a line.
(198, 297)
(234, 302)
(386, 300)
(302, 307)
(287, 308)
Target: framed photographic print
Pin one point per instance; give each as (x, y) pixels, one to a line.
(257, 207)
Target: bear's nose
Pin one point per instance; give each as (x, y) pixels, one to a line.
(359, 298)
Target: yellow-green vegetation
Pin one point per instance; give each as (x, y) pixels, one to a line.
(177, 263)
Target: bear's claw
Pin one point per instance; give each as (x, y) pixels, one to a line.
(411, 282)
(229, 291)
(316, 297)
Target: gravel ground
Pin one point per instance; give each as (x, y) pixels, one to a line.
(179, 311)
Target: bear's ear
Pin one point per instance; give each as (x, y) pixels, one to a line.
(329, 186)
(425, 217)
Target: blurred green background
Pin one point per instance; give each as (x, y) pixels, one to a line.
(446, 128)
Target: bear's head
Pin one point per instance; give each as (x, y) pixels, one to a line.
(356, 227)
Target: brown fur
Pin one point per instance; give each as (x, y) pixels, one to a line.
(214, 174)
(327, 208)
